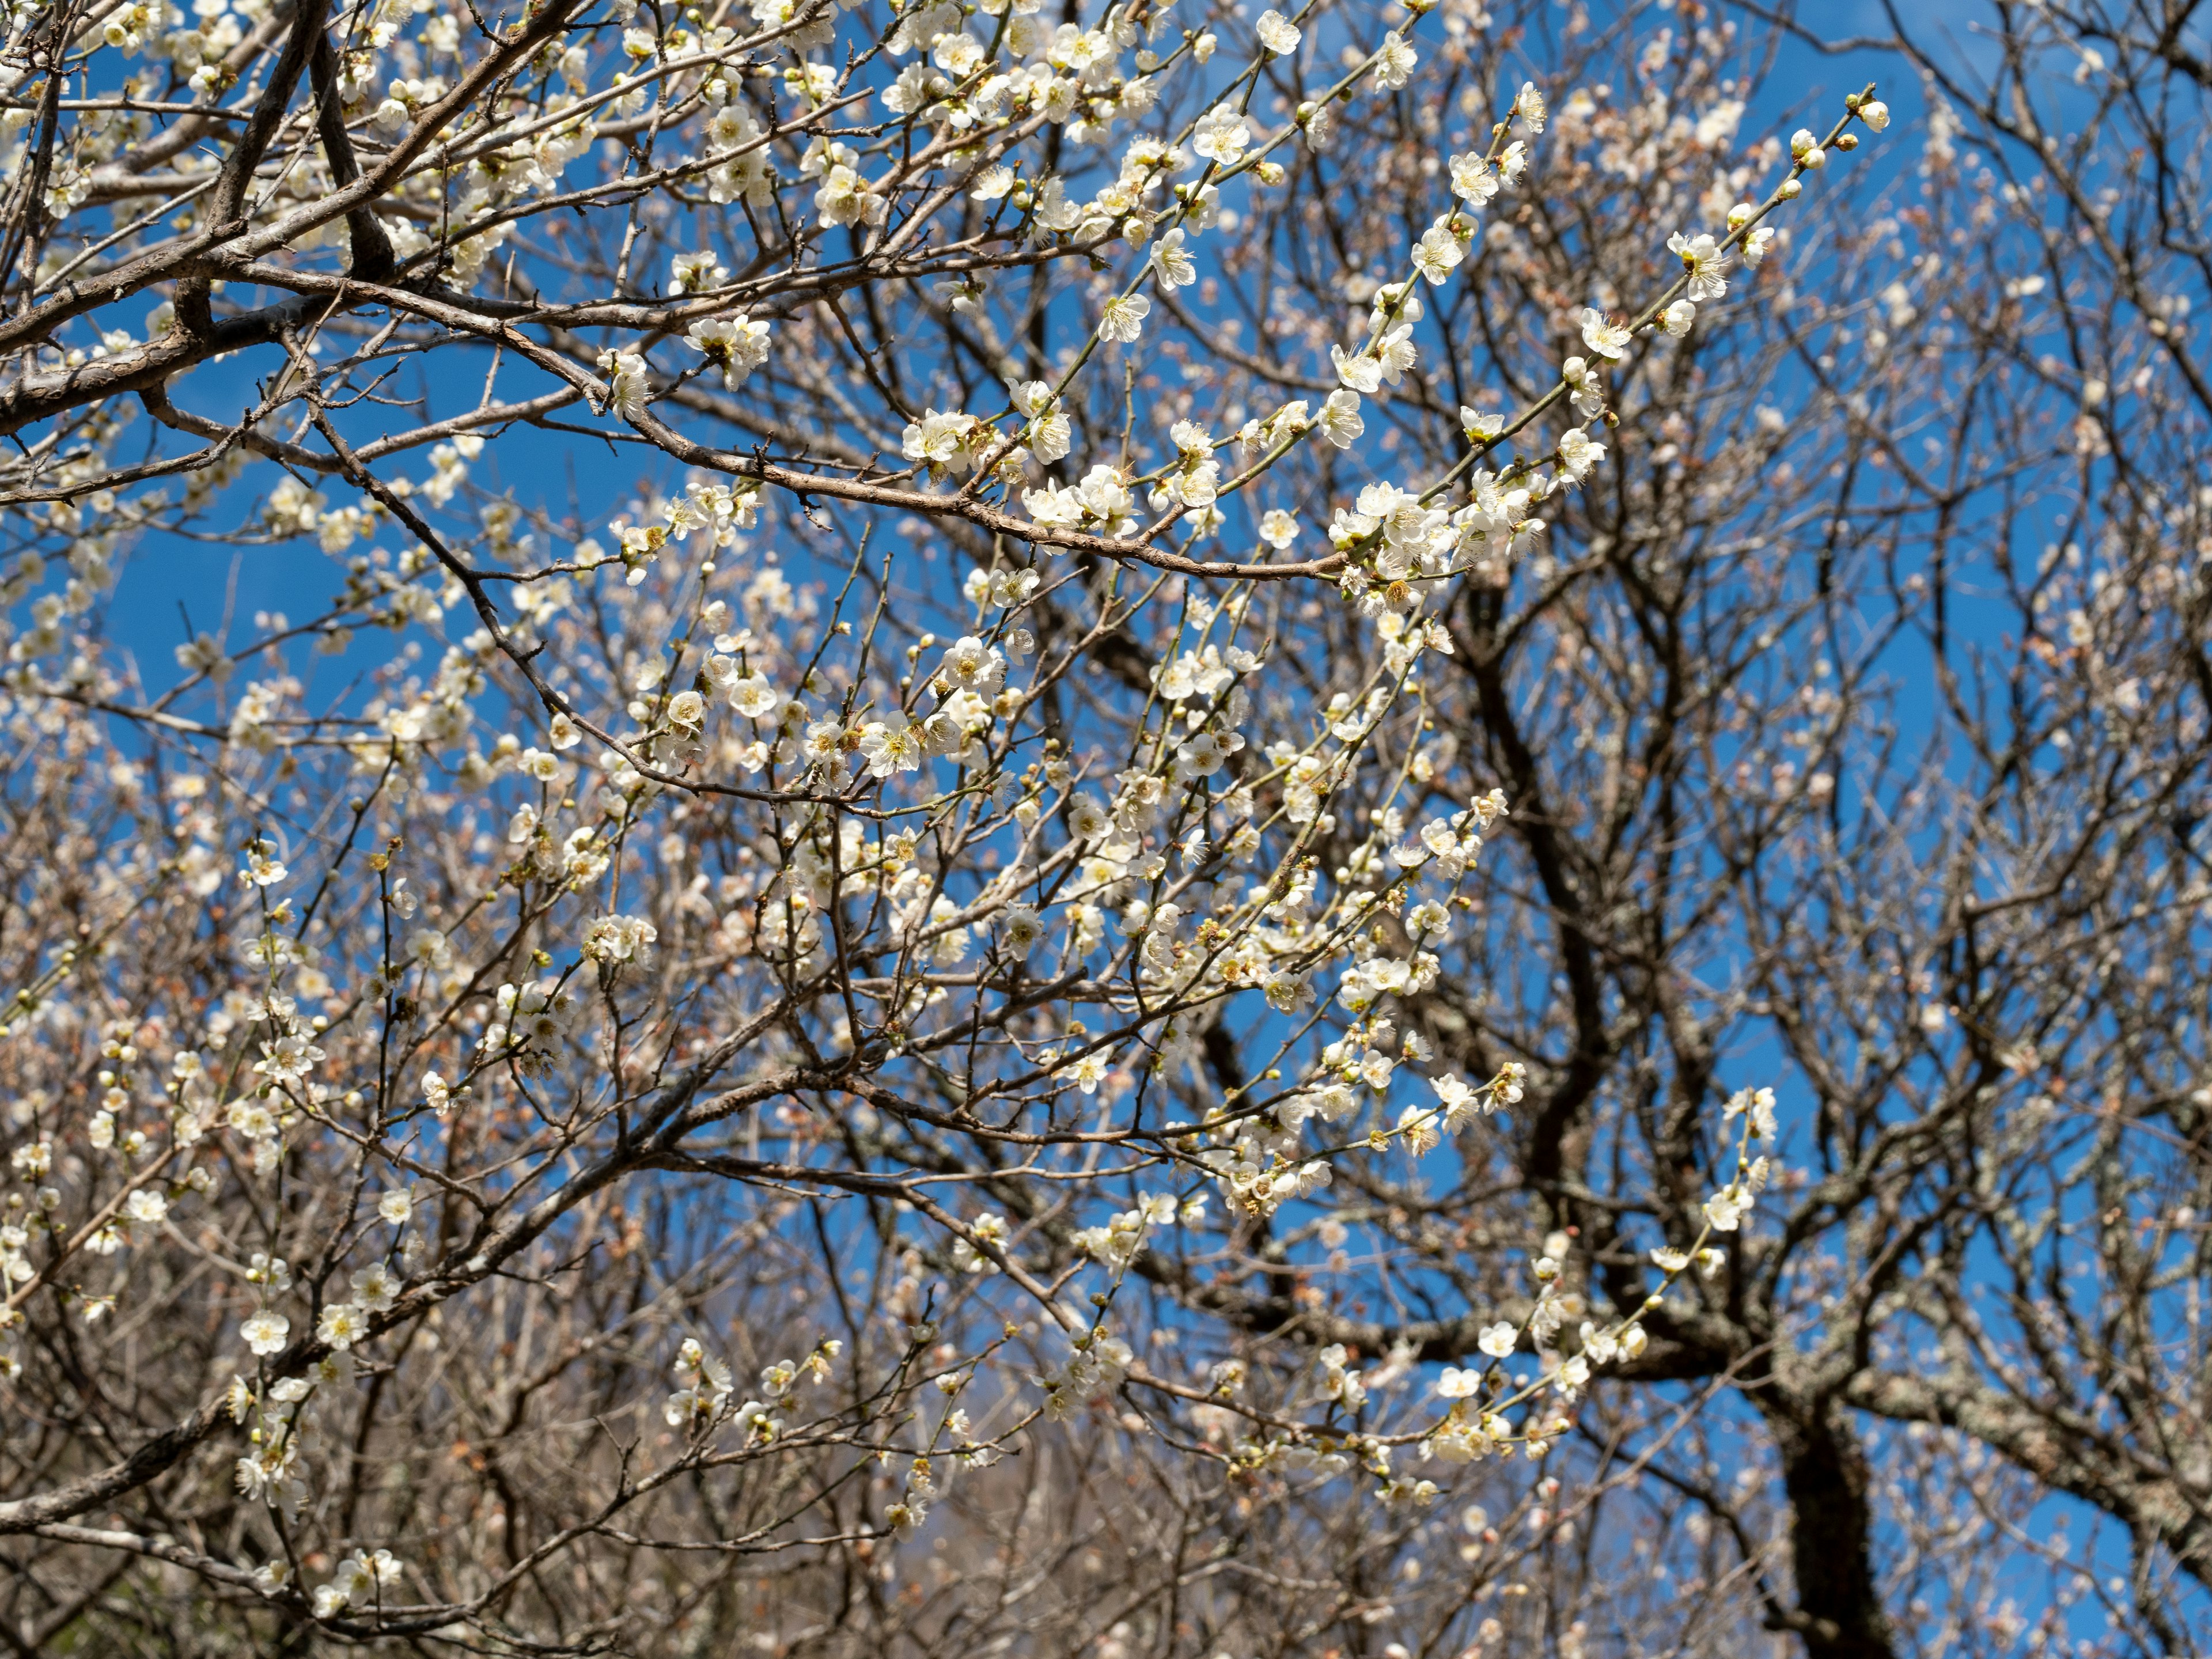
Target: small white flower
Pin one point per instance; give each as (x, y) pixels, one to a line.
(1727, 1208)
(697, 272)
(1123, 318)
(1608, 336)
(627, 385)
(890, 746)
(738, 343)
(376, 1287)
(261, 869)
(1498, 1340)
(1577, 454)
(1087, 820)
(1394, 61)
(613, 940)
(1702, 258)
(1437, 253)
(754, 697)
(146, 1207)
(1019, 929)
(343, 1324)
(1358, 372)
(1221, 134)
(266, 1333)
(1339, 418)
(1173, 264)
(1281, 36)
(1086, 1073)
(1473, 180)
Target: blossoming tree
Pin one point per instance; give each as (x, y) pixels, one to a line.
(884, 982)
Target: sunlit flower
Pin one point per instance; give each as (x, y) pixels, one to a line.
(1605, 335)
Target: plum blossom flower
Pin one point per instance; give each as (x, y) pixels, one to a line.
(1339, 418)
(890, 746)
(1221, 134)
(1588, 392)
(626, 382)
(754, 697)
(1086, 1072)
(695, 273)
(376, 1287)
(1702, 258)
(1087, 820)
(1049, 434)
(362, 1578)
(1174, 264)
(1473, 180)
(1123, 318)
(1577, 454)
(262, 868)
(1757, 1104)
(1437, 253)
(738, 343)
(847, 198)
(342, 1324)
(970, 664)
(1608, 336)
(614, 940)
(1394, 60)
(1360, 372)
(1726, 1209)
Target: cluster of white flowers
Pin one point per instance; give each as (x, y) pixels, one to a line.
(701, 1403)
(1098, 1361)
(1475, 1422)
